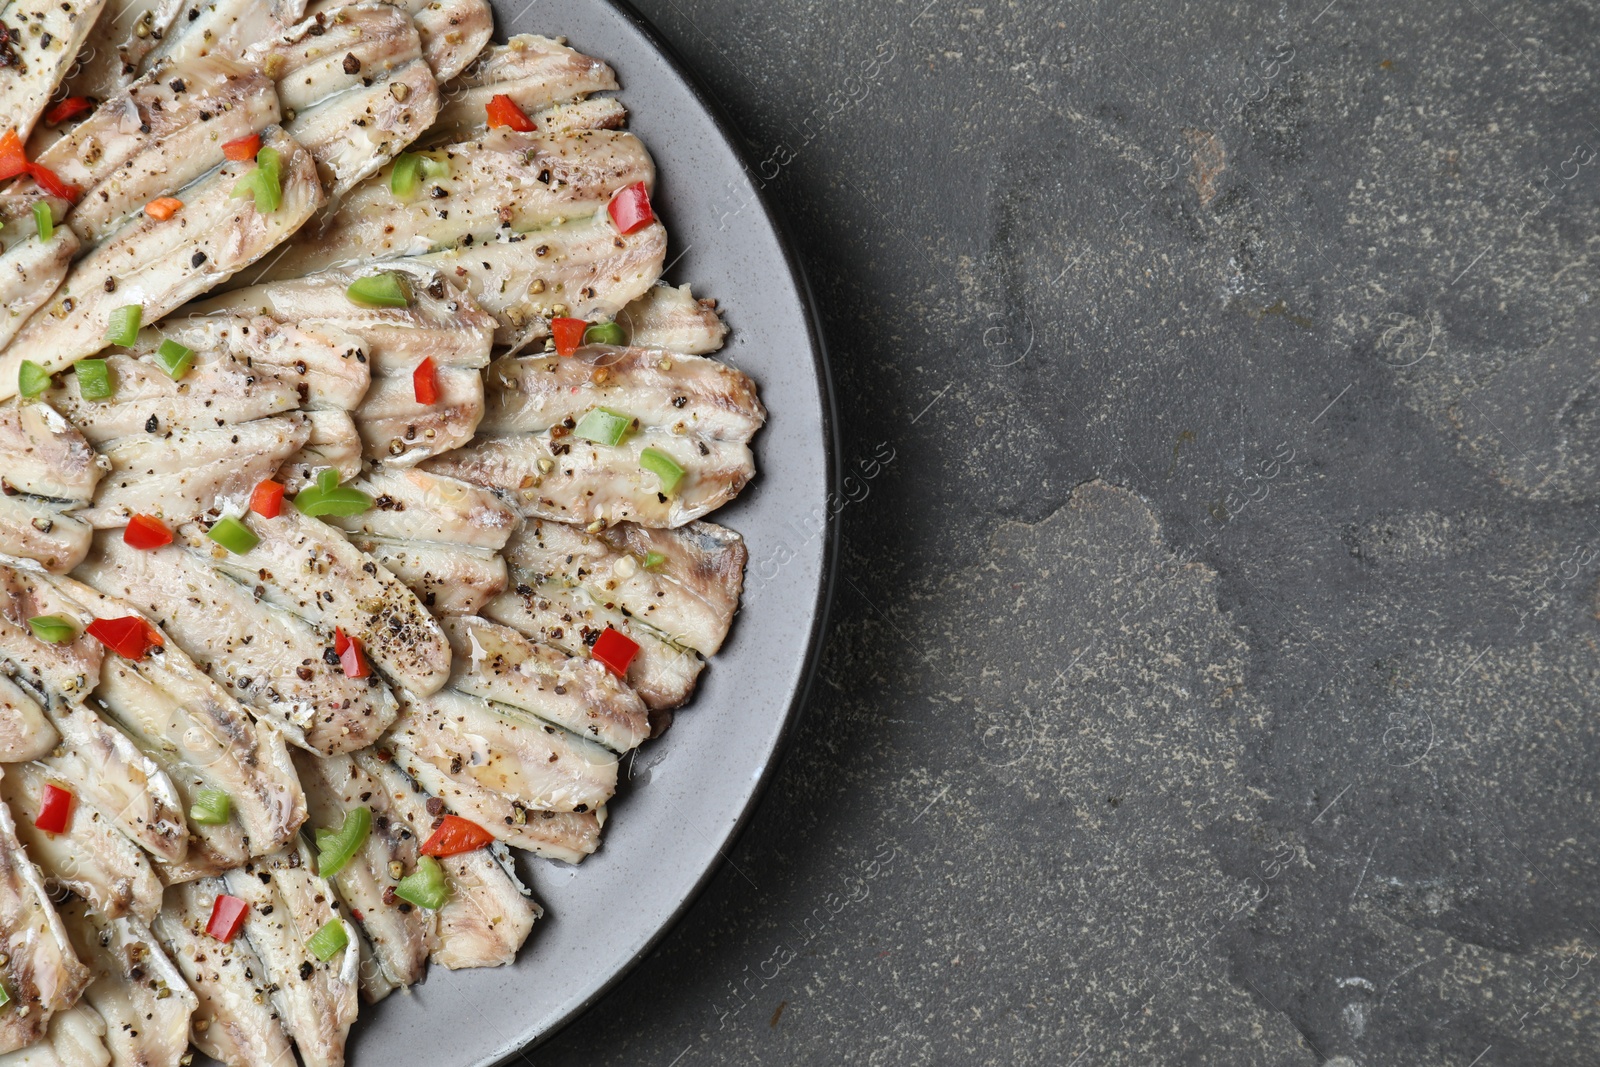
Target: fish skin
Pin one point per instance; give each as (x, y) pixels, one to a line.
(503, 750)
(30, 272)
(41, 972)
(43, 531)
(691, 596)
(153, 264)
(588, 269)
(669, 318)
(46, 455)
(142, 997)
(414, 505)
(400, 938)
(692, 397)
(588, 483)
(448, 579)
(557, 835)
(497, 663)
(269, 659)
(316, 1000)
(502, 180)
(311, 570)
(218, 391)
(535, 72)
(93, 859)
(25, 731)
(46, 38)
(234, 1021)
(180, 476)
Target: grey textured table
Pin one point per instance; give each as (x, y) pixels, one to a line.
(1213, 668)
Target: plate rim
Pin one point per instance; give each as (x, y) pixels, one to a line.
(823, 603)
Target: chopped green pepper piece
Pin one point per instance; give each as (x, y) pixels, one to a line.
(94, 379)
(329, 941)
(426, 886)
(263, 181)
(385, 290)
(32, 379)
(44, 220)
(233, 535)
(328, 497)
(210, 807)
(605, 333)
(52, 628)
(5, 995)
(122, 326)
(662, 466)
(407, 174)
(652, 560)
(603, 426)
(175, 359)
(336, 847)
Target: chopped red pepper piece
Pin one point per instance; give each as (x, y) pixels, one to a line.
(425, 382)
(13, 160)
(130, 638)
(568, 334)
(227, 915)
(503, 111)
(630, 209)
(348, 649)
(146, 532)
(614, 651)
(454, 836)
(50, 183)
(267, 500)
(55, 808)
(72, 105)
(242, 148)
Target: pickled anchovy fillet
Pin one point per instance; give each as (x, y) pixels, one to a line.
(311, 570)
(671, 319)
(25, 730)
(270, 659)
(187, 473)
(235, 1020)
(125, 32)
(40, 970)
(691, 594)
(30, 272)
(400, 937)
(334, 442)
(536, 72)
(74, 1038)
(448, 579)
(417, 506)
(316, 999)
(159, 265)
(94, 859)
(558, 835)
(43, 531)
(45, 455)
(142, 997)
(582, 269)
(151, 140)
(45, 38)
(500, 664)
(503, 182)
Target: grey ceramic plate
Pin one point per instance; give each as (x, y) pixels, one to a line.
(690, 791)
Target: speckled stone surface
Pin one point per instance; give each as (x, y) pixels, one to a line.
(1213, 669)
